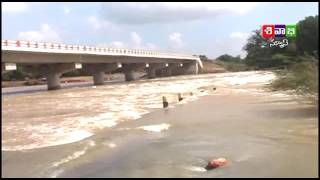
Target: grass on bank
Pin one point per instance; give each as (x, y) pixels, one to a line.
(303, 77)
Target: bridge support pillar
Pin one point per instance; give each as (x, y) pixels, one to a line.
(98, 71)
(129, 75)
(53, 81)
(128, 70)
(151, 73)
(53, 73)
(177, 69)
(98, 78)
(152, 69)
(167, 72)
(190, 68)
(3, 69)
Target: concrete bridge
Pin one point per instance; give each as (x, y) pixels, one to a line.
(53, 59)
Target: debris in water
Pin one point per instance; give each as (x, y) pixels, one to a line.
(215, 163)
(165, 102)
(180, 97)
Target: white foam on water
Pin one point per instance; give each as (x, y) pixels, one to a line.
(153, 106)
(74, 156)
(70, 130)
(196, 168)
(56, 173)
(58, 137)
(112, 145)
(244, 157)
(251, 77)
(99, 121)
(130, 114)
(123, 129)
(280, 95)
(155, 128)
(93, 109)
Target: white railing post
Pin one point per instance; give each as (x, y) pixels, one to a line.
(92, 49)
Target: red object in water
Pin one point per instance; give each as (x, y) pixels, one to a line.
(215, 163)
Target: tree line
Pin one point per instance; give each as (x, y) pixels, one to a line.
(296, 65)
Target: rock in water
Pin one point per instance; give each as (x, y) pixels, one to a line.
(180, 97)
(215, 163)
(165, 102)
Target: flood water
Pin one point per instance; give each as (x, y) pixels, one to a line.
(121, 130)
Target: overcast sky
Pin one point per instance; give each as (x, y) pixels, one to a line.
(208, 28)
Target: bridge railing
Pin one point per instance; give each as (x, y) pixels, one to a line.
(82, 48)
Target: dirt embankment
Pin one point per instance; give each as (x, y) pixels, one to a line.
(211, 67)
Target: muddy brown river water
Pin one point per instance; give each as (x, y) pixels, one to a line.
(121, 130)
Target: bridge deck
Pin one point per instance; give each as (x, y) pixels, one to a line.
(55, 48)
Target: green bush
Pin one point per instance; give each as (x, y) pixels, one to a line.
(302, 77)
(17, 75)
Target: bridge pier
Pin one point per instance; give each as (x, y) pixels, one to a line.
(174, 69)
(98, 78)
(129, 75)
(181, 70)
(151, 70)
(98, 71)
(3, 68)
(52, 72)
(167, 72)
(151, 73)
(190, 68)
(128, 70)
(53, 81)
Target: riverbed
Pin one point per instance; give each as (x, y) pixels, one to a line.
(121, 129)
